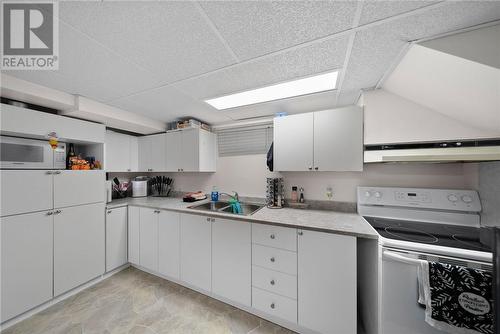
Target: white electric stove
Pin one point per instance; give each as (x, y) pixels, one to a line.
(417, 225)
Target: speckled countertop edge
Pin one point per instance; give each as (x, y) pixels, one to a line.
(317, 220)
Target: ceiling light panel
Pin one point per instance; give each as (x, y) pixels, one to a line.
(318, 83)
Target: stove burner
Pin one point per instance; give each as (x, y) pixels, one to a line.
(410, 234)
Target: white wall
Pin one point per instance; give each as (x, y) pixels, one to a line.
(247, 175)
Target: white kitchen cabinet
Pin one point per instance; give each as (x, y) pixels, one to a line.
(76, 187)
(121, 152)
(79, 253)
(196, 251)
(152, 153)
(133, 234)
(327, 282)
(25, 191)
(293, 142)
(116, 238)
(148, 238)
(191, 150)
(329, 140)
(169, 244)
(338, 140)
(16, 121)
(231, 260)
(26, 262)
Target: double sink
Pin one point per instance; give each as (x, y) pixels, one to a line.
(225, 207)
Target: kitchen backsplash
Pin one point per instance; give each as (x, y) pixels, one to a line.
(489, 191)
(247, 175)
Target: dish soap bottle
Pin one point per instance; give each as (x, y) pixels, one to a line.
(301, 197)
(215, 194)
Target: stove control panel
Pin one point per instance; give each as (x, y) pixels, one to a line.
(441, 199)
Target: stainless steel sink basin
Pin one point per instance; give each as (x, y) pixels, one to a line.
(210, 206)
(247, 208)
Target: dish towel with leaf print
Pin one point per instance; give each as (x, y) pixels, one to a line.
(457, 299)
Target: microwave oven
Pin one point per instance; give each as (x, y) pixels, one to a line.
(22, 153)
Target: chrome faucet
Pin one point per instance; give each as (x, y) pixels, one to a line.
(236, 197)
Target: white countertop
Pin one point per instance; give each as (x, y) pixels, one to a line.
(318, 220)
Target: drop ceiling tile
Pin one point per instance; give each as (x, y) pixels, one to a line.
(254, 28)
(378, 10)
(309, 60)
(166, 104)
(378, 48)
(170, 39)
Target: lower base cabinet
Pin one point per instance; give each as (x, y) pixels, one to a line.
(169, 244)
(26, 267)
(148, 238)
(196, 251)
(116, 238)
(326, 282)
(79, 252)
(133, 234)
(231, 260)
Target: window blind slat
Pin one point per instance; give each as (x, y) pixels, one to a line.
(244, 140)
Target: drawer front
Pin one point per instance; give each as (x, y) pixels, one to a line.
(275, 236)
(275, 305)
(274, 281)
(275, 259)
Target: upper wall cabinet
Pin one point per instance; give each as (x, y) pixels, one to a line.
(24, 122)
(152, 153)
(121, 152)
(329, 140)
(191, 150)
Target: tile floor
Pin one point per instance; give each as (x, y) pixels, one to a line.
(135, 302)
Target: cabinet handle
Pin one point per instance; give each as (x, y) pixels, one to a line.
(272, 259)
(212, 220)
(128, 169)
(49, 172)
(272, 305)
(182, 169)
(300, 232)
(272, 282)
(57, 212)
(272, 236)
(50, 213)
(109, 211)
(208, 219)
(316, 168)
(57, 172)
(310, 168)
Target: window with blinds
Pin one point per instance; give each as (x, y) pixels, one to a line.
(245, 140)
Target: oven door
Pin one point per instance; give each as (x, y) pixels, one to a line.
(400, 310)
(22, 153)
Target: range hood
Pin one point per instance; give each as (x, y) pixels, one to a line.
(485, 150)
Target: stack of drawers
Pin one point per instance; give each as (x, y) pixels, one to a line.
(274, 271)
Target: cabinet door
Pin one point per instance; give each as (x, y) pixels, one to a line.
(144, 144)
(173, 143)
(25, 191)
(231, 260)
(148, 238)
(117, 152)
(133, 234)
(79, 252)
(26, 267)
(169, 243)
(134, 153)
(190, 150)
(327, 282)
(338, 139)
(293, 142)
(196, 251)
(158, 152)
(208, 151)
(77, 187)
(116, 238)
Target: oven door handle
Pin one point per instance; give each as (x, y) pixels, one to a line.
(401, 258)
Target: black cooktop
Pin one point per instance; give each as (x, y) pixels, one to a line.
(433, 234)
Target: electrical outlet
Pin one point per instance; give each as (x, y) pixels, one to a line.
(329, 193)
